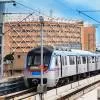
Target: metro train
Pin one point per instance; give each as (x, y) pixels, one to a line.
(60, 65)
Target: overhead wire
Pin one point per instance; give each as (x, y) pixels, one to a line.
(82, 12)
(90, 10)
(36, 11)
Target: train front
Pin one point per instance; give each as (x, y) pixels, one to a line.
(33, 69)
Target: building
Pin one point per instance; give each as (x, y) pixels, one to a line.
(26, 35)
(89, 38)
(22, 36)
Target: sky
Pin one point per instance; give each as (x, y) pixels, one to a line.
(67, 9)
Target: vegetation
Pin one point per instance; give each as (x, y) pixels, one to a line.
(8, 59)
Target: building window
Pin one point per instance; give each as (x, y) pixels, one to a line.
(19, 56)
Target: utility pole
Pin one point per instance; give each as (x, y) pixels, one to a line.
(42, 87)
(2, 11)
(42, 24)
(51, 12)
(41, 66)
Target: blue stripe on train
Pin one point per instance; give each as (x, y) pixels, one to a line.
(36, 73)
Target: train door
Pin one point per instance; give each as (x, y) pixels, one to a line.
(91, 63)
(79, 61)
(71, 66)
(98, 63)
(58, 66)
(64, 66)
(84, 64)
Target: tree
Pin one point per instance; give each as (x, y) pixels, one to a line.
(8, 59)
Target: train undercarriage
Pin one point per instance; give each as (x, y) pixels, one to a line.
(29, 82)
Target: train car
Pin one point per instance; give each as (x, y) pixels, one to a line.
(60, 65)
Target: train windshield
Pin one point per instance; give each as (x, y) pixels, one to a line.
(35, 60)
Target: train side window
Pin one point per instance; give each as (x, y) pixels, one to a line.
(62, 59)
(93, 59)
(56, 61)
(46, 60)
(79, 60)
(99, 59)
(84, 60)
(65, 60)
(72, 60)
(96, 59)
(90, 59)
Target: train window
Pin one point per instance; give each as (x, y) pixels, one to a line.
(99, 59)
(65, 60)
(96, 59)
(35, 60)
(62, 58)
(56, 61)
(93, 59)
(84, 60)
(79, 60)
(30, 60)
(90, 59)
(46, 60)
(72, 60)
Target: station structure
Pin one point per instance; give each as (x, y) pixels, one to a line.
(22, 33)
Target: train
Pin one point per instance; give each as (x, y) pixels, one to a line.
(61, 65)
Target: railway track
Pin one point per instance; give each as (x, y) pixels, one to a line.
(19, 95)
(15, 87)
(11, 86)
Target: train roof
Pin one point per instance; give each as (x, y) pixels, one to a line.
(62, 51)
(74, 52)
(38, 49)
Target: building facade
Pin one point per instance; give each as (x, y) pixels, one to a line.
(89, 38)
(21, 37)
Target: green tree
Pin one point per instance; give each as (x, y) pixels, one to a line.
(8, 59)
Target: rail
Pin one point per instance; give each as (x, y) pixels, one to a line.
(11, 86)
(19, 95)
